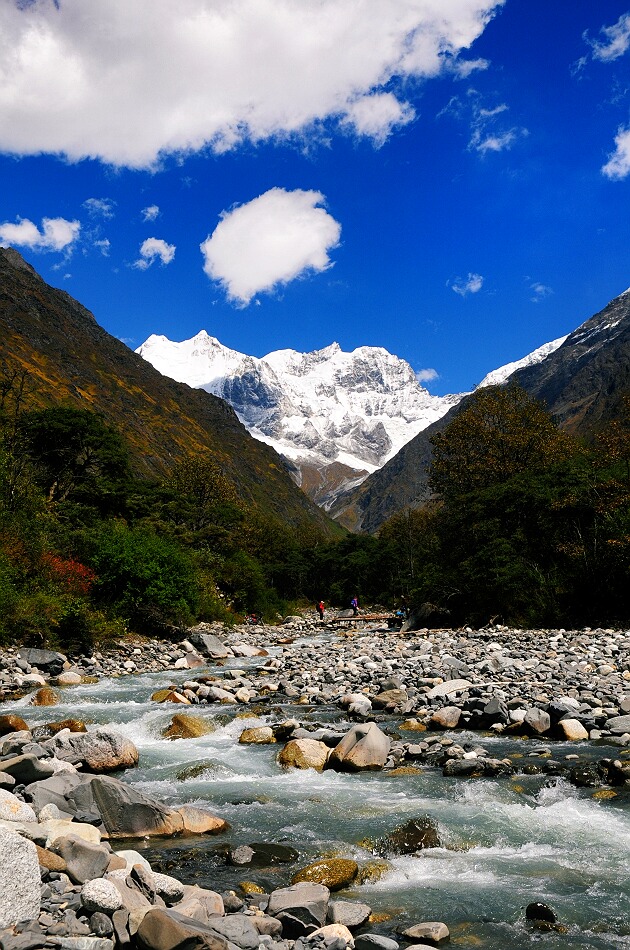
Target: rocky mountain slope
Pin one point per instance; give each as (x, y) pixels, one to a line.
(582, 382)
(335, 416)
(72, 360)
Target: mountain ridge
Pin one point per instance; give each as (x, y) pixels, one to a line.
(72, 360)
(581, 383)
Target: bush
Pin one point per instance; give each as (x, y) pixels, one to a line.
(146, 579)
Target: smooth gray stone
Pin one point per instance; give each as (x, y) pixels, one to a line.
(209, 645)
(166, 929)
(48, 661)
(618, 725)
(349, 913)
(375, 942)
(238, 929)
(85, 861)
(26, 768)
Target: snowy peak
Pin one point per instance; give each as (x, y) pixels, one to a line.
(326, 407)
(501, 375)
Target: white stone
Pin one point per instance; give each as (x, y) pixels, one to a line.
(100, 895)
(20, 881)
(12, 809)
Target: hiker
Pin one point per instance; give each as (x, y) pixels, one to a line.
(319, 607)
(354, 603)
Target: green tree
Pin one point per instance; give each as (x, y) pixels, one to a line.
(144, 578)
(500, 433)
(73, 450)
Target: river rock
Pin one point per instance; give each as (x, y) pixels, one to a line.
(375, 942)
(168, 888)
(169, 696)
(537, 720)
(432, 932)
(572, 729)
(127, 813)
(239, 929)
(100, 896)
(46, 696)
(101, 750)
(305, 902)
(187, 726)
(20, 881)
(333, 873)
(363, 748)
(163, 929)
(84, 860)
(199, 821)
(415, 835)
(208, 645)
(304, 754)
(331, 933)
(12, 809)
(446, 718)
(200, 903)
(48, 661)
(10, 723)
(618, 725)
(451, 686)
(27, 768)
(349, 913)
(538, 911)
(69, 678)
(257, 735)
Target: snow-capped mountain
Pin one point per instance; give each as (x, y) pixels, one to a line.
(336, 416)
(503, 373)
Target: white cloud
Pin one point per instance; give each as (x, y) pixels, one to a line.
(270, 241)
(471, 284)
(154, 249)
(539, 291)
(375, 116)
(426, 375)
(129, 82)
(103, 246)
(150, 213)
(493, 143)
(463, 68)
(618, 164)
(56, 234)
(616, 40)
(103, 207)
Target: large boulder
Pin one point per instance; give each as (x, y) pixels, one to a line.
(27, 768)
(187, 726)
(101, 750)
(84, 860)
(200, 821)
(333, 873)
(163, 929)
(11, 723)
(415, 835)
(48, 661)
(304, 754)
(363, 748)
(307, 903)
(20, 881)
(209, 645)
(126, 812)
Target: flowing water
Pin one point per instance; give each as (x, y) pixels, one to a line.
(506, 842)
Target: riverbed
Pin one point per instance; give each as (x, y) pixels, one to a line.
(506, 842)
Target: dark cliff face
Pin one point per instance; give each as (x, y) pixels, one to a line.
(582, 383)
(72, 360)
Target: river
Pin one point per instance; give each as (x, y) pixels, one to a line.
(506, 842)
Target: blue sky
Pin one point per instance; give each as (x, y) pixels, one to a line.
(449, 179)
